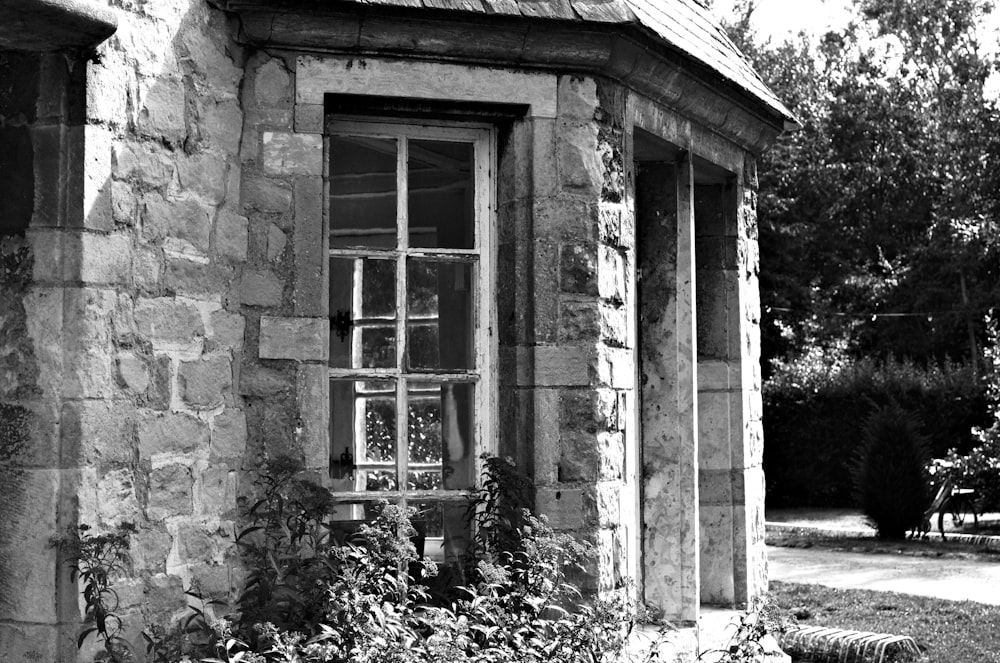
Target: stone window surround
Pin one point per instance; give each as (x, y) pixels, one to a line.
(317, 76)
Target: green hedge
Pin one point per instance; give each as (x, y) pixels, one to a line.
(815, 409)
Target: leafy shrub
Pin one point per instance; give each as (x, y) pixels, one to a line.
(889, 479)
(816, 406)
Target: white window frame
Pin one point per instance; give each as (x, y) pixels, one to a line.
(483, 253)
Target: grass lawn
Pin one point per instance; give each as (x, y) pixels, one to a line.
(947, 631)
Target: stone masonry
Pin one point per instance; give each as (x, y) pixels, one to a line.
(164, 322)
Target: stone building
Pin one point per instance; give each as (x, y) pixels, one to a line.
(237, 229)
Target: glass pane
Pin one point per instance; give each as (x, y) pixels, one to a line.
(441, 194)
(362, 192)
(440, 322)
(362, 435)
(440, 443)
(362, 313)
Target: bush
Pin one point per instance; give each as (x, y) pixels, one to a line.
(311, 595)
(890, 482)
(815, 408)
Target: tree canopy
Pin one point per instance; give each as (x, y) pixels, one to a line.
(878, 220)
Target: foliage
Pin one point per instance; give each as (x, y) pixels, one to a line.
(878, 220)
(815, 408)
(96, 560)
(763, 618)
(889, 480)
(314, 594)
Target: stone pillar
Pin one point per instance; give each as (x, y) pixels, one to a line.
(668, 375)
(730, 476)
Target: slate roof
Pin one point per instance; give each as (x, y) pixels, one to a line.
(686, 25)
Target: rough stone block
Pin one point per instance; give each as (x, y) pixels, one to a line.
(214, 494)
(264, 381)
(145, 162)
(614, 325)
(159, 392)
(567, 219)
(273, 84)
(170, 489)
(97, 433)
(261, 288)
(309, 118)
(119, 501)
(29, 500)
(124, 204)
(228, 329)
(578, 271)
(266, 195)
(577, 98)
(168, 320)
(580, 166)
(185, 221)
(301, 339)
(545, 423)
(313, 396)
(616, 367)
(579, 322)
(562, 506)
(161, 109)
(232, 235)
(311, 285)
(149, 550)
(292, 154)
(82, 257)
(204, 174)
(229, 435)
(562, 366)
(205, 383)
(611, 451)
(612, 279)
(276, 241)
(222, 123)
(172, 433)
(147, 268)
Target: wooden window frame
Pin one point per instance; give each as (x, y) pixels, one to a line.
(483, 137)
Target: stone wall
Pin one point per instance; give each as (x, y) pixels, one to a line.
(165, 314)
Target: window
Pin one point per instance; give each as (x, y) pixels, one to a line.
(411, 391)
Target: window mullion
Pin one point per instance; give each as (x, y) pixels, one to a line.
(402, 242)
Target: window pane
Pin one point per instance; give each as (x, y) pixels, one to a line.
(362, 313)
(440, 321)
(362, 192)
(442, 194)
(440, 443)
(363, 434)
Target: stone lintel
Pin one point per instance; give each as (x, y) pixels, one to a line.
(51, 25)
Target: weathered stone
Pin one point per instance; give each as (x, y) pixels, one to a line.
(144, 162)
(288, 153)
(614, 325)
(612, 455)
(204, 174)
(273, 83)
(580, 165)
(196, 279)
(578, 410)
(578, 269)
(259, 288)
(97, 433)
(222, 124)
(301, 339)
(184, 220)
(161, 112)
(228, 329)
(172, 433)
(562, 506)
(215, 492)
(616, 367)
(578, 460)
(232, 235)
(205, 383)
(313, 400)
(133, 371)
(229, 435)
(610, 224)
(266, 195)
(262, 381)
(611, 277)
(577, 98)
(168, 320)
(159, 392)
(567, 366)
(124, 206)
(578, 321)
(147, 268)
(170, 490)
(310, 118)
(275, 243)
(149, 550)
(311, 284)
(165, 595)
(118, 501)
(97, 179)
